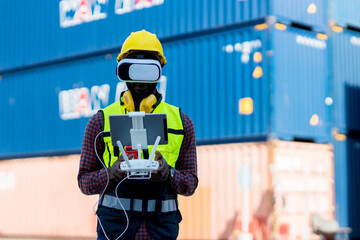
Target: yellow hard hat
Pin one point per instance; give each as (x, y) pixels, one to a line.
(142, 41)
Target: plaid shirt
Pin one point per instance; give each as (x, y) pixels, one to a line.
(93, 181)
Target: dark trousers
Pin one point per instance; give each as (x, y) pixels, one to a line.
(160, 226)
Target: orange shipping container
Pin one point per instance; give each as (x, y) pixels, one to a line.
(40, 197)
(264, 189)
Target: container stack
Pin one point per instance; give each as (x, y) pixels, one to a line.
(265, 82)
(345, 78)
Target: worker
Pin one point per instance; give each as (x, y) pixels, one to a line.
(151, 205)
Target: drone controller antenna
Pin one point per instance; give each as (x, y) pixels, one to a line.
(123, 153)
(154, 148)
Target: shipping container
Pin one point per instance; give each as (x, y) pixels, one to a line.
(38, 32)
(266, 189)
(252, 83)
(39, 105)
(345, 13)
(40, 197)
(310, 13)
(345, 50)
(261, 82)
(347, 187)
(299, 79)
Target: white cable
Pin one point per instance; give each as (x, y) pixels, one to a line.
(107, 173)
(127, 217)
(122, 207)
(101, 195)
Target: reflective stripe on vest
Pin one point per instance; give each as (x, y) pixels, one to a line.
(137, 205)
(170, 151)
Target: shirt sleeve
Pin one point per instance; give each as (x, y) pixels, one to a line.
(185, 179)
(92, 178)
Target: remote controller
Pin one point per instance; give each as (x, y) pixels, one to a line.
(140, 167)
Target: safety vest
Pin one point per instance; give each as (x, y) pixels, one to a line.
(170, 151)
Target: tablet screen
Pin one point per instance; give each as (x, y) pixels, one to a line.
(154, 123)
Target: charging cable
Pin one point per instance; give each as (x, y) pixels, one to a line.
(101, 195)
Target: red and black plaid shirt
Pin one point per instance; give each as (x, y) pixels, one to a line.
(93, 181)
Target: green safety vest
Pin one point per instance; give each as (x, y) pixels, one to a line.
(170, 151)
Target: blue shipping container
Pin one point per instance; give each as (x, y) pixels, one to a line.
(299, 83)
(38, 104)
(284, 72)
(249, 83)
(346, 79)
(347, 187)
(312, 13)
(35, 32)
(345, 13)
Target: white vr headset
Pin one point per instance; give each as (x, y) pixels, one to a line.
(139, 70)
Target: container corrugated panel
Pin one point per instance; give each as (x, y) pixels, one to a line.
(245, 63)
(45, 193)
(346, 80)
(208, 75)
(227, 193)
(303, 177)
(345, 13)
(299, 85)
(34, 32)
(224, 71)
(341, 183)
(255, 187)
(353, 158)
(260, 188)
(347, 187)
(51, 30)
(312, 13)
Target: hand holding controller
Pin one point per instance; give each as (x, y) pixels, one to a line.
(162, 173)
(140, 167)
(116, 174)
